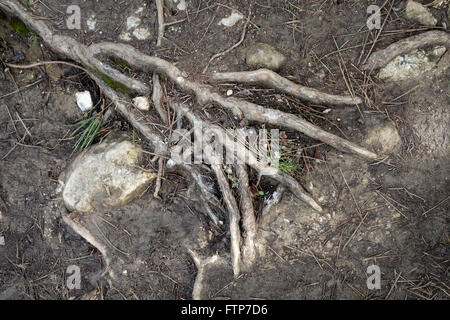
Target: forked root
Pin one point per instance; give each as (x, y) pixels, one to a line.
(93, 240)
(201, 264)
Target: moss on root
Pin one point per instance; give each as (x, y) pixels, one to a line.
(19, 26)
(115, 85)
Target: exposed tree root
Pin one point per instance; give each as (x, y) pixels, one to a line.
(158, 179)
(240, 108)
(248, 218)
(201, 264)
(246, 156)
(206, 193)
(382, 57)
(93, 240)
(157, 98)
(275, 81)
(89, 57)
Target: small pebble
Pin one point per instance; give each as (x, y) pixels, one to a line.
(229, 92)
(141, 103)
(84, 100)
(2, 241)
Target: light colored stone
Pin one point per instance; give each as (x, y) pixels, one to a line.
(91, 23)
(105, 175)
(141, 103)
(133, 22)
(84, 100)
(419, 13)
(411, 65)
(262, 54)
(125, 36)
(141, 33)
(176, 5)
(2, 240)
(383, 138)
(231, 20)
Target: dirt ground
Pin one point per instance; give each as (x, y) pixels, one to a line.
(394, 214)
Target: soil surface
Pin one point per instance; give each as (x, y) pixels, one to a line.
(393, 214)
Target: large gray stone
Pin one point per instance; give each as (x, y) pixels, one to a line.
(262, 54)
(105, 175)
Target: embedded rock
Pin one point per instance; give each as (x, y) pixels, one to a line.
(105, 175)
(262, 54)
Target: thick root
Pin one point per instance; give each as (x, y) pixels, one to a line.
(275, 81)
(382, 57)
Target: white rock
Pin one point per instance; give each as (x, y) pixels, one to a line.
(175, 5)
(170, 163)
(84, 100)
(2, 240)
(229, 92)
(231, 20)
(60, 186)
(141, 103)
(181, 5)
(326, 110)
(91, 23)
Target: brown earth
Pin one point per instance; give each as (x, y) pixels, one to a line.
(393, 214)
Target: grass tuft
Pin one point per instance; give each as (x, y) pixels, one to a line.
(288, 166)
(87, 129)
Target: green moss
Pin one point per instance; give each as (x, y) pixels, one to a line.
(19, 26)
(122, 64)
(115, 85)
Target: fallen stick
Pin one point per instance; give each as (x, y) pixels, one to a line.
(275, 81)
(161, 25)
(382, 57)
(158, 179)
